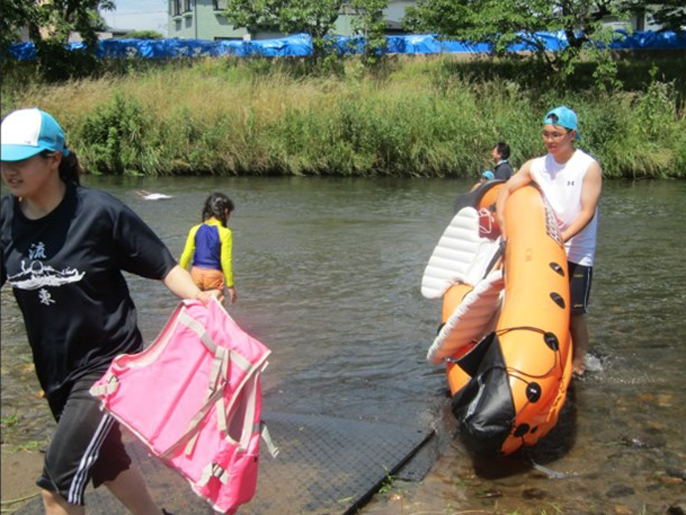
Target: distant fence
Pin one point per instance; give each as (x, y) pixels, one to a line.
(301, 45)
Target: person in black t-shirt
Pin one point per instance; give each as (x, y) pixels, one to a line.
(64, 248)
(501, 154)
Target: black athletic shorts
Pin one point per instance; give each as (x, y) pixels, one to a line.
(86, 444)
(580, 277)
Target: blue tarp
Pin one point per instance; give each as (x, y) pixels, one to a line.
(23, 51)
(301, 45)
(647, 40)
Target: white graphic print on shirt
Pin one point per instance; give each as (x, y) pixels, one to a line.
(45, 297)
(38, 275)
(37, 250)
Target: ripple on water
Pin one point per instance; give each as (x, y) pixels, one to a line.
(328, 276)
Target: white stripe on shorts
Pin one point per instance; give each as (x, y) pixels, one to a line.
(588, 288)
(78, 484)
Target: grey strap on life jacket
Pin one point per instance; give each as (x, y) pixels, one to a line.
(264, 432)
(213, 470)
(111, 383)
(197, 328)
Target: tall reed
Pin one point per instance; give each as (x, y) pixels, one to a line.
(419, 116)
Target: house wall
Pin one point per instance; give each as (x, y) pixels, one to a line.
(635, 22)
(343, 26)
(395, 12)
(24, 34)
(202, 21)
(180, 24)
(647, 25)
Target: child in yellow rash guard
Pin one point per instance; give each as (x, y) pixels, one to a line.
(209, 246)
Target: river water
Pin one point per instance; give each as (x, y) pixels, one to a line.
(328, 272)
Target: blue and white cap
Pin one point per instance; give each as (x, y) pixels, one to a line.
(564, 117)
(27, 132)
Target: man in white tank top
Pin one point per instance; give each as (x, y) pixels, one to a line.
(571, 181)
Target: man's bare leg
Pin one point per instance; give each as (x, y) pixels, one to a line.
(579, 331)
(55, 504)
(129, 487)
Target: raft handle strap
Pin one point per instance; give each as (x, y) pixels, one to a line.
(496, 257)
(558, 362)
(520, 328)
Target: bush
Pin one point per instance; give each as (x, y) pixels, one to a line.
(113, 138)
(143, 34)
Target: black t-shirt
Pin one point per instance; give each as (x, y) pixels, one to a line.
(65, 271)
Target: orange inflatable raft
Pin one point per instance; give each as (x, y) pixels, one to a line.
(505, 334)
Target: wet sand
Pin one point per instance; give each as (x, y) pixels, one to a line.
(20, 469)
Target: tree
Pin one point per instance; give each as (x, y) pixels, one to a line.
(369, 22)
(314, 17)
(55, 20)
(49, 24)
(14, 17)
(505, 22)
(669, 14)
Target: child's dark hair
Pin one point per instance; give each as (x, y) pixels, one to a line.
(503, 149)
(70, 168)
(216, 206)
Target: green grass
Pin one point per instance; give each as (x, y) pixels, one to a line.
(413, 116)
(9, 421)
(388, 483)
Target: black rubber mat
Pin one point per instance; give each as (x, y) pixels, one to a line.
(326, 465)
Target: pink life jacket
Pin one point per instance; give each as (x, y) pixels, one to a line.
(193, 398)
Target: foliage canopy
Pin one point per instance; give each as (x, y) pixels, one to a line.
(49, 24)
(505, 22)
(670, 14)
(314, 17)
